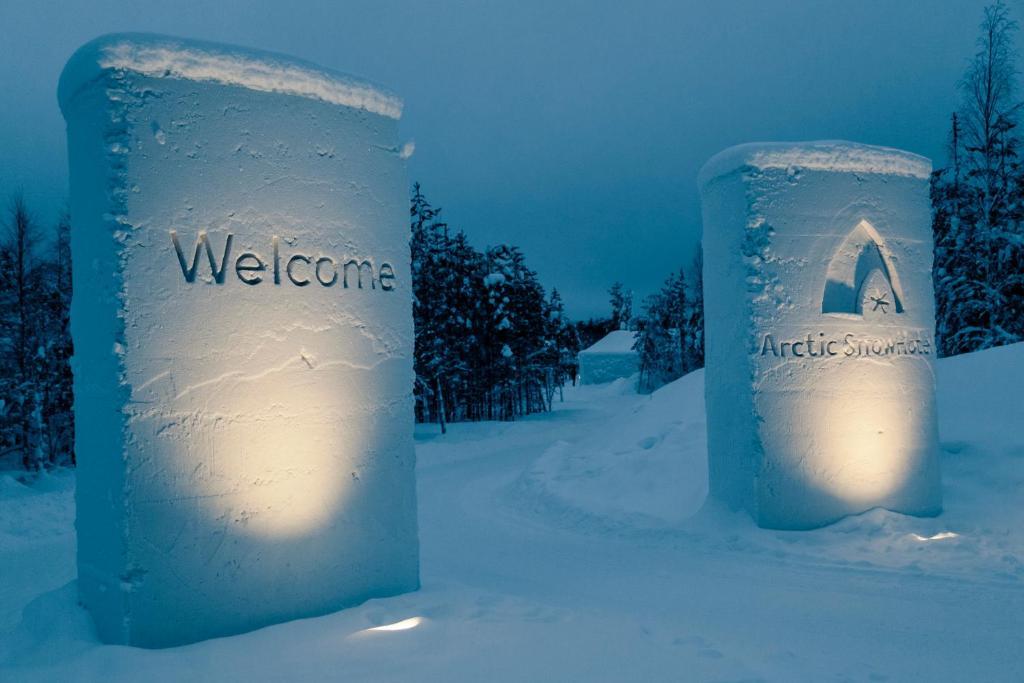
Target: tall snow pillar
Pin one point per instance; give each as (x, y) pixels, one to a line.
(820, 385)
(243, 337)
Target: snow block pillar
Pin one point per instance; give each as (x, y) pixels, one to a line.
(242, 323)
(820, 386)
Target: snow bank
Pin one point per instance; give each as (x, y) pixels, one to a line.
(980, 401)
(646, 469)
(820, 312)
(243, 337)
(37, 540)
(553, 551)
(643, 473)
(166, 57)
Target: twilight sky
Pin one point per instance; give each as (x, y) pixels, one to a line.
(574, 130)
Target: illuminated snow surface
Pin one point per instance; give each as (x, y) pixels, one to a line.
(818, 342)
(567, 547)
(243, 339)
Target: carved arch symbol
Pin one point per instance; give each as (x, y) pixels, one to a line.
(862, 253)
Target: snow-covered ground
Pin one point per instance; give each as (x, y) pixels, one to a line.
(574, 546)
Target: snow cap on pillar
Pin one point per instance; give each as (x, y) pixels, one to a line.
(819, 331)
(243, 339)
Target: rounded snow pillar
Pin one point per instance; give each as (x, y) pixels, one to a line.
(820, 386)
(243, 339)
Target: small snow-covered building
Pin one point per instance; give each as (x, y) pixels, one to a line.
(610, 358)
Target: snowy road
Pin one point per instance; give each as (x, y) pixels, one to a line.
(672, 607)
(564, 548)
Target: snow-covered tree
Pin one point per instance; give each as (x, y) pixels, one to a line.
(21, 393)
(36, 421)
(562, 336)
(429, 310)
(978, 202)
(693, 342)
(622, 306)
(54, 348)
(671, 339)
(488, 345)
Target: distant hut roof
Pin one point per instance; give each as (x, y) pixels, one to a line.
(619, 341)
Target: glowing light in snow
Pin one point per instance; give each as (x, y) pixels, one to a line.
(286, 451)
(941, 536)
(863, 428)
(403, 625)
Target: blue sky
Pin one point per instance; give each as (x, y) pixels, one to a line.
(572, 129)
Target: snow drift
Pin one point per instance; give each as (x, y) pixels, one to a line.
(564, 547)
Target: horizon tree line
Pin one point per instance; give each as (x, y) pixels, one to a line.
(491, 343)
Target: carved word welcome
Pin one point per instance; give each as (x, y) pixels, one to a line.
(297, 268)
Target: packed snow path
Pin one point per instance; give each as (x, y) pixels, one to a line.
(565, 547)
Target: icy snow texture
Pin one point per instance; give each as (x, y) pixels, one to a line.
(646, 470)
(167, 57)
(245, 451)
(823, 155)
(555, 549)
(610, 358)
(805, 244)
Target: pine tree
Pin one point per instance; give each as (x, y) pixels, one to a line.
(653, 344)
(500, 358)
(36, 401)
(486, 346)
(564, 341)
(675, 322)
(693, 344)
(9, 411)
(428, 246)
(21, 237)
(57, 394)
(977, 217)
(660, 340)
(467, 329)
(670, 341)
(622, 306)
